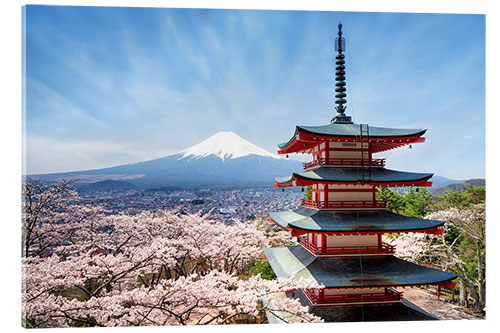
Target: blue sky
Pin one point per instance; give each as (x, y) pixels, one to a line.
(108, 86)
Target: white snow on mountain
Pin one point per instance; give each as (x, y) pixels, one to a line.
(225, 145)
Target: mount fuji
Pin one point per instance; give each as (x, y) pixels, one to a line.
(223, 160)
(225, 145)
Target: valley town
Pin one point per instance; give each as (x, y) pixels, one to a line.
(226, 206)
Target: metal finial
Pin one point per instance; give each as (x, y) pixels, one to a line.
(339, 41)
(340, 81)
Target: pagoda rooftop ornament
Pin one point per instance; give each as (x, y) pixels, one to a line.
(340, 83)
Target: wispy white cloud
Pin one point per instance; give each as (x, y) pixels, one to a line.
(48, 155)
(52, 110)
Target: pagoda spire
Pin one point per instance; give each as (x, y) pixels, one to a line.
(340, 83)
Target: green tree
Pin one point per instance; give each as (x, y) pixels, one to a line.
(261, 266)
(470, 196)
(395, 201)
(417, 202)
(307, 194)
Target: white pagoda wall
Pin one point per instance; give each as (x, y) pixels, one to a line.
(355, 195)
(352, 240)
(348, 153)
(350, 196)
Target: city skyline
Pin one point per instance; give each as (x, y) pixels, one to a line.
(108, 86)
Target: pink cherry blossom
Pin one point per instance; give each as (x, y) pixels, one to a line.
(153, 268)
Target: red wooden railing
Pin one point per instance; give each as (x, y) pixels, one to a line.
(390, 295)
(339, 205)
(344, 250)
(349, 162)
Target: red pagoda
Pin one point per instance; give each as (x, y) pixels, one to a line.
(339, 230)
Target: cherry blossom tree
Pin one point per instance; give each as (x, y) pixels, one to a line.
(153, 268)
(216, 298)
(40, 201)
(411, 246)
(275, 235)
(462, 247)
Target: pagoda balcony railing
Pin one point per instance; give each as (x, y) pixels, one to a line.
(324, 251)
(390, 295)
(345, 162)
(344, 205)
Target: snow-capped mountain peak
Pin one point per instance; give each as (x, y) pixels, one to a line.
(225, 145)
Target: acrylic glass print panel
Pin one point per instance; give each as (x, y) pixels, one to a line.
(212, 167)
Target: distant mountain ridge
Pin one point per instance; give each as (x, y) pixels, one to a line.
(459, 186)
(439, 181)
(224, 159)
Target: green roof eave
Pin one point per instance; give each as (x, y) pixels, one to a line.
(354, 175)
(348, 221)
(353, 130)
(351, 272)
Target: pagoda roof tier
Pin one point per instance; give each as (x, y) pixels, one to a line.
(339, 175)
(308, 220)
(352, 272)
(381, 138)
